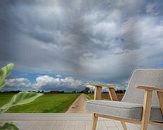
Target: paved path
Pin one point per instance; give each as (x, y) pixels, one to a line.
(78, 106)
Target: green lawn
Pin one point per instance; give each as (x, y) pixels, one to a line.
(48, 103)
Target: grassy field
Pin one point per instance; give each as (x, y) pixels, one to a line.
(48, 103)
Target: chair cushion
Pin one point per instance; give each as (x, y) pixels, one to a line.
(125, 110)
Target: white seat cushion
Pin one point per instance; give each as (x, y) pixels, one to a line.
(125, 110)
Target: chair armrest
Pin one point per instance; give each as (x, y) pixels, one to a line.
(160, 98)
(98, 88)
(150, 88)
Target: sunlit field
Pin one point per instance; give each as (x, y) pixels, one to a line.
(48, 103)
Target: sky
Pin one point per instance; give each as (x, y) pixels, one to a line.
(63, 45)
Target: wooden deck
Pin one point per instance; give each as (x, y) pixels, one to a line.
(76, 118)
(58, 121)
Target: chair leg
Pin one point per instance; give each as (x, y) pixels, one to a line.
(124, 125)
(94, 123)
(146, 110)
(144, 126)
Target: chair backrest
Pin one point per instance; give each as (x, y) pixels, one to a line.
(146, 77)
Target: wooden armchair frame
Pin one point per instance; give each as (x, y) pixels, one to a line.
(146, 106)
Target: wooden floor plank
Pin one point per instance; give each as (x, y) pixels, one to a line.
(57, 121)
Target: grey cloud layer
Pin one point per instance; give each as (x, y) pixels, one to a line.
(100, 40)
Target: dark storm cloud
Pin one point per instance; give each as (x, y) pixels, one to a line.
(94, 39)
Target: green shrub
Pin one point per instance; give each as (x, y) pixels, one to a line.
(18, 99)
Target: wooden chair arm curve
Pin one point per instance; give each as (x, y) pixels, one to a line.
(98, 89)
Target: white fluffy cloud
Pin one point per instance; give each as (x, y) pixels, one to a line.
(44, 81)
(18, 82)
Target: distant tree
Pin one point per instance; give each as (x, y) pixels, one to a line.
(120, 91)
(86, 90)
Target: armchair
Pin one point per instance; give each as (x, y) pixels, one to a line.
(138, 107)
